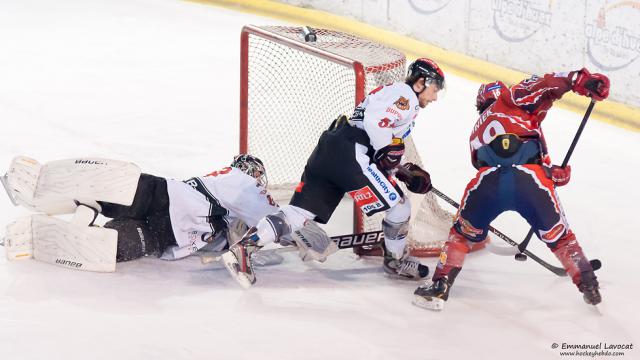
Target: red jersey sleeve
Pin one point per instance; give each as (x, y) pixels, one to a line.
(537, 94)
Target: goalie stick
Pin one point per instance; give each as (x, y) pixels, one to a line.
(346, 241)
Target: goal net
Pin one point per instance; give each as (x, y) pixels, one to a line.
(293, 87)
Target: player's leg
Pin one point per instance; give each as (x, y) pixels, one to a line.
(140, 206)
(397, 261)
(480, 205)
(373, 192)
(135, 239)
(539, 203)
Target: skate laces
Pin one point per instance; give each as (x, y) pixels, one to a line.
(409, 265)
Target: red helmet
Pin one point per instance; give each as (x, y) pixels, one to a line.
(488, 93)
(427, 69)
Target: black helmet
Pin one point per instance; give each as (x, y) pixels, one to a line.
(427, 69)
(251, 166)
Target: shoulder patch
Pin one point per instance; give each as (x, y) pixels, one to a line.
(402, 103)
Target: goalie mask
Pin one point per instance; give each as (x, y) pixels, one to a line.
(427, 69)
(488, 94)
(251, 166)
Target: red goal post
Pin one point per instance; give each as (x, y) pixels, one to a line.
(291, 89)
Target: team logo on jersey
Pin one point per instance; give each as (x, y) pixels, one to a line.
(553, 234)
(402, 103)
(505, 143)
(366, 199)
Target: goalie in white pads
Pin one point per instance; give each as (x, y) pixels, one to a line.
(150, 214)
(358, 156)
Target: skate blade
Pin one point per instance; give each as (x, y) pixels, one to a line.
(433, 304)
(231, 263)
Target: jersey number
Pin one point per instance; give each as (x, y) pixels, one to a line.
(384, 123)
(222, 171)
(492, 130)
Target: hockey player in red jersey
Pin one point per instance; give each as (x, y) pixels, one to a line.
(358, 156)
(515, 173)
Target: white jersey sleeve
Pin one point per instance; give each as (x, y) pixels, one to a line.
(387, 112)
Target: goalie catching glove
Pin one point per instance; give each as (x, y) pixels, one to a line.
(417, 180)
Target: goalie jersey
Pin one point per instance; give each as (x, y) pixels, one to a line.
(228, 192)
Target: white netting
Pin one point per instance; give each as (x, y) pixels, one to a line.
(294, 94)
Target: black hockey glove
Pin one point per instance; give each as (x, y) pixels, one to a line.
(417, 180)
(389, 156)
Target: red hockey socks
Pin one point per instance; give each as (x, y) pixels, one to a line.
(570, 254)
(452, 256)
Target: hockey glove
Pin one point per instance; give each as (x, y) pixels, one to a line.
(560, 176)
(219, 225)
(389, 156)
(417, 180)
(594, 85)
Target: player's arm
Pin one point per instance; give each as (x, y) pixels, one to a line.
(537, 94)
(253, 203)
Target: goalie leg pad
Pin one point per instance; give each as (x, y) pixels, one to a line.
(18, 240)
(21, 180)
(65, 244)
(52, 188)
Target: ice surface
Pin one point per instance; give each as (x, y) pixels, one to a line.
(156, 83)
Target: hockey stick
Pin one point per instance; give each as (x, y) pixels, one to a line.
(554, 269)
(213, 256)
(522, 256)
(346, 241)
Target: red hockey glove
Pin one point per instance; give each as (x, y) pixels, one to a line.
(417, 180)
(560, 176)
(389, 156)
(594, 85)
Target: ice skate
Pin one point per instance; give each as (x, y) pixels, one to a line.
(589, 288)
(433, 296)
(238, 260)
(407, 268)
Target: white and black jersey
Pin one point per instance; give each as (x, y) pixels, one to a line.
(387, 112)
(342, 161)
(228, 192)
